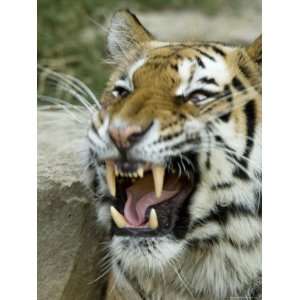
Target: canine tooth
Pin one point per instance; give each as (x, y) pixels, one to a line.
(110, 177)
(116, 171)
(140, 172)
(158, 177)
(117, 217)
(153, 221)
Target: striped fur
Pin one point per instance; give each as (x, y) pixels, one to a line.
(204, 100)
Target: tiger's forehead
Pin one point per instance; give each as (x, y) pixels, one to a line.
(182, 65)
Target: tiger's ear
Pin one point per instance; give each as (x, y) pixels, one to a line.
(126, 33)
(255, 50)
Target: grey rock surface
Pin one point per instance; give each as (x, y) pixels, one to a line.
(68, 240)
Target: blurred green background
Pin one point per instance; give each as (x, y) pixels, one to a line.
(71, 38)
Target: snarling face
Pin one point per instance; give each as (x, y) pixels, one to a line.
(178, 126)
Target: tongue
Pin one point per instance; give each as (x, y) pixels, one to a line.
(141, 195)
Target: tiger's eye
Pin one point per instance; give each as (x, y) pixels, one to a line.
(120, 91)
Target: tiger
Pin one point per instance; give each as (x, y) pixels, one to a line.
(174, 158)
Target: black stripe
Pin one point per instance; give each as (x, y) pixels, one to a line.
(222, 186)
(258, 197)
(204, 92)
(249, 245)
(179, 145)
(91, 141)
(210, 241)
(207, 162)
(106, 199)
(168, 137)
(240, 173)
(179, 99)
(228, 94)
(174, 67)
(229, 154)
(220, 140)
(200, 62)
(183, 219)
(221, 214)
(207, 55)
(206, 242)
(178, 56)
(191, 77)
(208, 80)
(219, 51)
(225, 118)
(250, 113)
(245, 69)
(94, 129)
(237, 84)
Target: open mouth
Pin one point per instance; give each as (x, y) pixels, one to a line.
(147, 197)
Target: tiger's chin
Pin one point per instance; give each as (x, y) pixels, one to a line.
(140, 253)
(149, 200)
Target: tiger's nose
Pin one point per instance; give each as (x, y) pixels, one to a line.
(124, 137)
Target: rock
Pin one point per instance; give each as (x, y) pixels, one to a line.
(69, 249)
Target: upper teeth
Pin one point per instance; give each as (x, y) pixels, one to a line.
(158, 176)
(112, 171)
(128, 174)
(140, 172)
(110, 177)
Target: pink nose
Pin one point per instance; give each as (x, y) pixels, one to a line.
(124, 137)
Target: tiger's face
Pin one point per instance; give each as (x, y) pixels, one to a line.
(178, 127)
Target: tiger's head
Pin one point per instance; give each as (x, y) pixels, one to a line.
(177, 134)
